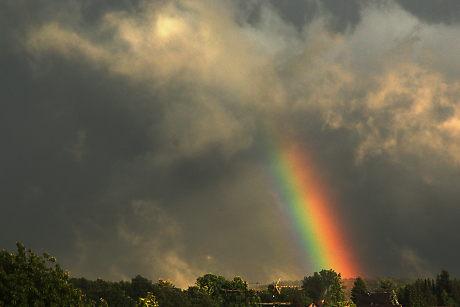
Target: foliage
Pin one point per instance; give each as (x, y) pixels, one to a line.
(387, 285)
(169, 295)
(148, 301)
(199, 297)
(359, 289)
(212, 284)
(345, 304)
(104, 292)
(27, 279)
(324, 287)
(295, 296)
(138, 287)
(227, 293)
(443, 291)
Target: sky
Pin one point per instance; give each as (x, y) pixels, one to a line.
(133, 133)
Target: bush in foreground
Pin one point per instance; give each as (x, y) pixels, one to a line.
(27, 279)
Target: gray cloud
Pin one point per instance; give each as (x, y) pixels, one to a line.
(445, 11)
(132, 133)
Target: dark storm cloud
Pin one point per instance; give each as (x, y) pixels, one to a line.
(94, 10)
(444, 11)
(341, 15)
(132, 133)
(345, 14)
(78, 162)
(66, 128)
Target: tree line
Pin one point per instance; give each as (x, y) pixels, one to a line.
(441, 291)
(29, 279)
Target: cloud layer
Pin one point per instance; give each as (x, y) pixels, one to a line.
(133, 132)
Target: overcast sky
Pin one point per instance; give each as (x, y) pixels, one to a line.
(132, 132)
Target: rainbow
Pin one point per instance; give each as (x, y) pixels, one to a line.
(304, 197)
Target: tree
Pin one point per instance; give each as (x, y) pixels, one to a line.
(421, 293)
(148, 301)
(211, 284)
(169, 295)
(227, 293)
(324, 287)
(27, 279)
(296, 297)
(387, 285)
(444, 289)
(102, 291)
(138, 288)
(456, 291)
(359, 289)
(443, 281)
(199, 297)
